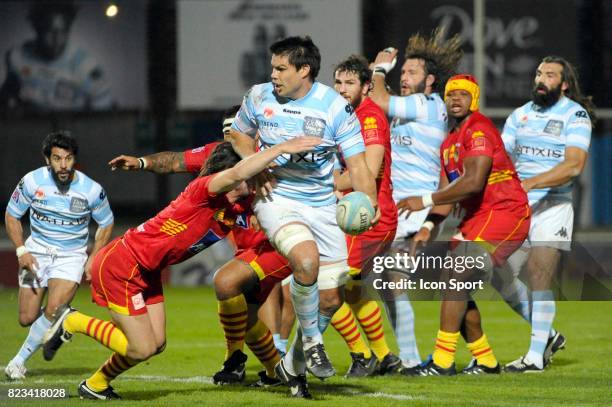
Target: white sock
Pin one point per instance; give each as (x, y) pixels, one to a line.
(33, 341)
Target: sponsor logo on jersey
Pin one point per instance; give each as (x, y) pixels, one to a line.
(554, 127)
(313, 126)
(78, 204)
(268, 112)
(370, 123)
(271, 125)
(15, 196)
(208, 239)
(402, 140)
(55, 221)
(538, 152)
(39, 194)
(285, 110)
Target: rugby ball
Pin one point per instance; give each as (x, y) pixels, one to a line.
(354, 213)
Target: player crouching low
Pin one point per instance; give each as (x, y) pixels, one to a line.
(132, 264)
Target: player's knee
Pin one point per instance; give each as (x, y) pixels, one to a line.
(143, 351)
(226, 285)
(26, 319)
(288, 237)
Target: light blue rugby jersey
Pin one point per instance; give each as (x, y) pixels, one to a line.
(60, 220)
(536, 139)
(73, 81)
(418, 128)
(305, 177)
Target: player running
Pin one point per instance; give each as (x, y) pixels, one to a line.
(477, 174)
(61, 201)
(298, 214)
(126, 273)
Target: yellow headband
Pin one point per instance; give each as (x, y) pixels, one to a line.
(461, 83)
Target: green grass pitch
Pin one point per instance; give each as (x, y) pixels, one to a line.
(580, 375)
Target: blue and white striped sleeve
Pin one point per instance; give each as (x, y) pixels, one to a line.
(100, 207)
(509, 132)
(21, 199)
(578, 130)
(245, 118)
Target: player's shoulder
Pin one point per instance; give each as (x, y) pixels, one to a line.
(260, 90)
(481, 125)
(522, 110)
(368, 107)
(571, 108)
(88, 186)
(36, 177)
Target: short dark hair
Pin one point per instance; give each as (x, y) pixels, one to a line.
(355, 64)
(42, 9)
(222, 158)
(301, 51)
(61, 139)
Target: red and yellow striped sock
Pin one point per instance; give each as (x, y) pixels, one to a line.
(481, 350)
(344, 322)
(112, 368)
(446, 344)
(105, 332)
(233, 318)
(369, 316)
(260, 342)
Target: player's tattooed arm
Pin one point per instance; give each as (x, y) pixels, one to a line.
(165, 162)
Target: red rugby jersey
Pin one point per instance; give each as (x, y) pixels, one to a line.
(244, 236)
(195, 158)
(375, 130)
(193, 221)
(478, 136)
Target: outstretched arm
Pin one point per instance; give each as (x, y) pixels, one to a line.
(252, 165)
(164, 162)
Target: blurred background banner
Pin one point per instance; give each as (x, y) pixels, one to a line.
(223, 44)
(517, 34)
(88, 61)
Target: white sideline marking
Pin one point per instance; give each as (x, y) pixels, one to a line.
(209, 380)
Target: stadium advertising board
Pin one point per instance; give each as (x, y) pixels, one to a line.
(223, 45)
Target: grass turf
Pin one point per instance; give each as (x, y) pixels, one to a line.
(580, 375)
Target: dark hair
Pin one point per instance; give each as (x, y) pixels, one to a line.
(230, 112)
(441, 56)
(222, 158)
(569, 75)
(301, 51)
(42, 9)
(61, 139)
(358, 65)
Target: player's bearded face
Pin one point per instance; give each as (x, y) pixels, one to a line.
(544, 96)
(549, 84)
(412, 79)
(348, 85)
(61, 163)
